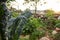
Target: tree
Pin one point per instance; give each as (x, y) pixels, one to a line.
(15, 27)
(10, 29)
(36, 1)
(3, 18)
(35, 4)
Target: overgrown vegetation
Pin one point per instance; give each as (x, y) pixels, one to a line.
(34, 26)
(15, 25)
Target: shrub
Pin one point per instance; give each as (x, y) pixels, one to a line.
(31, 26)
(57, 36)
(37, 34)
(57, 25)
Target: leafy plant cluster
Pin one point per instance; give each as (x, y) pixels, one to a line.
(34, 26)
(12, 26)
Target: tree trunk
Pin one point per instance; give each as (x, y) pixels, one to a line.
(35, 7)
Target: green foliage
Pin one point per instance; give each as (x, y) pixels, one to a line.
(3, 19)
(51, 23)
(57, 25)
(32, 25)
(49, 13)
(50, 20)
(34, 22)
(37, 34)
(15, 27)
(29, 27)
(15, 14)
(57, 21)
